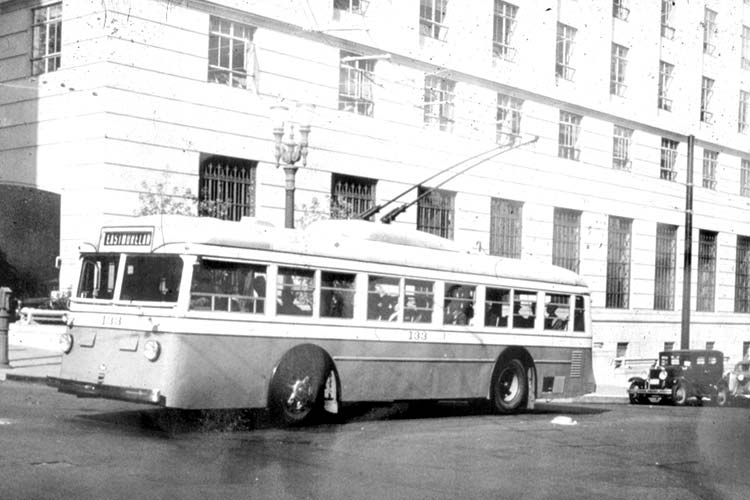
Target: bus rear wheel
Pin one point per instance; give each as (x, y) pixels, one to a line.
(510, 387)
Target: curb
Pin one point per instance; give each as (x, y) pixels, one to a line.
(19, 377)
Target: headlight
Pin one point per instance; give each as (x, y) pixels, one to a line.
(65, 342)
(741, 377)
(663, 375)
(151, 349)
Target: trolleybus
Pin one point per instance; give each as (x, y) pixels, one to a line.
(198, 313)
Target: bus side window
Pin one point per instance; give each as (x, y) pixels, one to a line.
(497, 307)
(524, 309)
(228, 286)
(556, 311)
(382, 298)
(336, 295)
(418, 296)
(459, 304)
(294, 291)
(578, 318)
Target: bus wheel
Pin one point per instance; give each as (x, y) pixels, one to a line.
(510, 388)
(301, 382)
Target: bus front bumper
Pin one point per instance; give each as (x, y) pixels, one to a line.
(89, 390)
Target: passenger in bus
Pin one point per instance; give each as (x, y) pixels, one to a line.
(383, 306)
(556, 317)
(458, 310)
(411, 313)
(495, 315)
(335, 306)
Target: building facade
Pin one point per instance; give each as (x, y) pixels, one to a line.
(580, 109)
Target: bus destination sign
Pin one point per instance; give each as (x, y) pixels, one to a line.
(127, 238)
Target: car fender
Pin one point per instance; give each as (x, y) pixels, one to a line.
(636, 379)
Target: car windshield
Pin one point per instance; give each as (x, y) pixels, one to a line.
(151, 278)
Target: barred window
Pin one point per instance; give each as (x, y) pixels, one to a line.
(46, 46)
(668, 346)
(706, 270)
(620, 9)
(667, 31)
(707, 91)
(564, 53)
(743, 117)
(665, 266)
(439, 95)
(617, 70)
(745, 47)
(502, 33)
(227, 187)
(435, 212)
(709, 31)
(355, 84)
(742, 276)
(621, 141)
(570, 129)
(745, 177)
(432, 17)
(566, 239)
(710, 161)
(618, 262)
(350, 195)
(508, 126)
(505, 228)
(231, 53)
(668, 159)
(665, 81)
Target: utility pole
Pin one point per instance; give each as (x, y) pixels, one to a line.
(687, 266)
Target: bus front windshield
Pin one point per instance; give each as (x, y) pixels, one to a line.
(151, 278)
(98, 273)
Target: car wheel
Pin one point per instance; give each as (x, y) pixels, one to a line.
(635, 399)
(510, 387)
(722, 396)
(679, 394)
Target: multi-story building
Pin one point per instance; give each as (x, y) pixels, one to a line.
(109, 107)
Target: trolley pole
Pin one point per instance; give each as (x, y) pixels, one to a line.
(687, 266)
(4, 321)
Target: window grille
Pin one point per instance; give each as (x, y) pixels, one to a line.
(435, 212)
(503, 27)
(709, 31)
(439, 95)
(617, 70)
(618, 263)
(668, 346)
(743, 116)
(564, 54)
(742, 276)
(355, 84)
(621, 140)
(746, 47)
(667, 31)
(508, 126)
(46, 50)
(665, 266)
(668, 159)
(227, 187)
(506, 225)
(231, 53)
(707, 85)
(710, 345)
(706, 270)
(619, 9)
(745, 177)
(432, 17)
(570, 128)
(351, 196)
(566, 239)
(710, 160)
(665, 80)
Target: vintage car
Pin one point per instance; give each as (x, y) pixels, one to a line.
(680, 375)
(737, 383)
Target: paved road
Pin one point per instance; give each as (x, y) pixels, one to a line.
(56, 446)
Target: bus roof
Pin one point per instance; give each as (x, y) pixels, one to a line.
(344, 239)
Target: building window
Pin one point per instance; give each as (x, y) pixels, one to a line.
(742, 276)
(621, 141)
(432, 17)
(505, 228)
(566, 239)
(231, 53)
(353, 6)
(667, 31)
(227, 187)
(665, 81)
(502, 31)
(668, 346)
(745, 350)
(668, 159)
(508, 126)
(710, 160)
(355, 84)
(46, 39)
(665, 266)
(350, 196)
(570, 129)
(709, 31)
(743, 121)
(618, 263)
(617, 70)
(619, 9)
(564, 55)
(706, 270)
(439, 95)
(746, 47)
(435, 212)
(710, 345)
(745, 178)
(707, 90)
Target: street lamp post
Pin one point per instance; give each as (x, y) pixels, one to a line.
(290, 132)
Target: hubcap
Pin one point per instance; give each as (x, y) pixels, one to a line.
(508, 385)
(301, 397)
